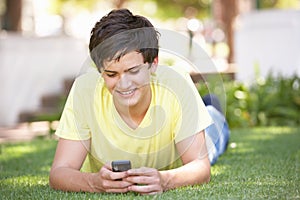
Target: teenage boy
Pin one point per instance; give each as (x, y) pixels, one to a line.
(132, 109)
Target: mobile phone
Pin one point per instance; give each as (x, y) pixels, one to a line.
(120, 165)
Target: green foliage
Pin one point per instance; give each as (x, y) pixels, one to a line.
(274, 101)
(281, 4)
(277, 101)
(234, 97)
(58, 6)
(180, 8)
(166, 8)
(257, 165)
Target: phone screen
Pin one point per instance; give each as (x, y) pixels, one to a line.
(120, 165)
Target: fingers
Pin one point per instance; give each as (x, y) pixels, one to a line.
(142, 180)
(111, 185)
(147, 181)
(146, 189)
(143, 171)
(108, 166)
(112, 182)
(107, 174)
(144, 176)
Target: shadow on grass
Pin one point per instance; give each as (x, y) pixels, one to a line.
(24, 172)
(27, 158)
(24, 167)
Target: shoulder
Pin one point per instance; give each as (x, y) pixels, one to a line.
(171, 73)
(88, 81)
(178, 80)
(89, 77)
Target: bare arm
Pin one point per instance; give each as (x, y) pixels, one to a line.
(195, 169)
(196, 165)
(65, 172)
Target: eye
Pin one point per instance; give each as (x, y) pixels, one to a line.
(134, 71)
(111, 75)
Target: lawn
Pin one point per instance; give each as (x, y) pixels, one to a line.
(260, 163)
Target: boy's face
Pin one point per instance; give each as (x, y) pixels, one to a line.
(128, 79)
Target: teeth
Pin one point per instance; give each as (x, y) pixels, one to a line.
(127, 92)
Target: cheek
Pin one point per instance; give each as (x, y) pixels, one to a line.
(142, 79)
(110, 83)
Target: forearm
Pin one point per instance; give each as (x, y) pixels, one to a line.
(195, 172)
(67, 179)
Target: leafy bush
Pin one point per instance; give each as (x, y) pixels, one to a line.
(266, 102)
(278, 101)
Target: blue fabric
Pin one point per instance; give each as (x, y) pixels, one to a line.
(219, 134)
(213, 100)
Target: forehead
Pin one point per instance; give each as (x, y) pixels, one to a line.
(130, 59)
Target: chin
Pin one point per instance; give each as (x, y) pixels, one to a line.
(131, 102)
(128, 101)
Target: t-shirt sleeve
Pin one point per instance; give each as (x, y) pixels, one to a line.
(72, 124)
(194, 115)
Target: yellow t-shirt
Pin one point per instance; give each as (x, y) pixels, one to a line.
(176, 112)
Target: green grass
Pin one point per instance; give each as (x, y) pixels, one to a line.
(265, 164)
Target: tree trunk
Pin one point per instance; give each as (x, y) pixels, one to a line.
(230, 11)
(12, 15)
(119, 3)
(225, 12)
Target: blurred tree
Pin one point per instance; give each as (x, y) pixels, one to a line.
(165, 9)
(287, 4)
(119, 3)
(175, 8)
(11, 20)
(229, 13)
(62, 7)
(266, 4)
(58, 5)
(186, 8)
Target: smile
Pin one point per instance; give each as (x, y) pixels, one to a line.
(129, 92)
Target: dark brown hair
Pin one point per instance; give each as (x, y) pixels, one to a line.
(120, 32)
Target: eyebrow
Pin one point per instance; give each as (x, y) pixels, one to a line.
(109, 71)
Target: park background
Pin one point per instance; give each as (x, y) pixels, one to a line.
(253, 44)
(44, 45)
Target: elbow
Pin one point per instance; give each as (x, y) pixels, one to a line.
(52, 180)
(51, 185)
(204, 172)
(207, 179)
(207, 174)
(203, 179)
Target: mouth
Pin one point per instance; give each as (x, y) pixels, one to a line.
(127, 92)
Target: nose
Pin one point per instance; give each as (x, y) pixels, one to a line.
(124, 81)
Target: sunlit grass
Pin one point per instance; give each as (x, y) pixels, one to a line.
(260, 163)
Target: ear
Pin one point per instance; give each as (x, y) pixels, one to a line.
(154, 65)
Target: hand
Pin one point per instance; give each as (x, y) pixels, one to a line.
(106, 180)
(145, 180)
